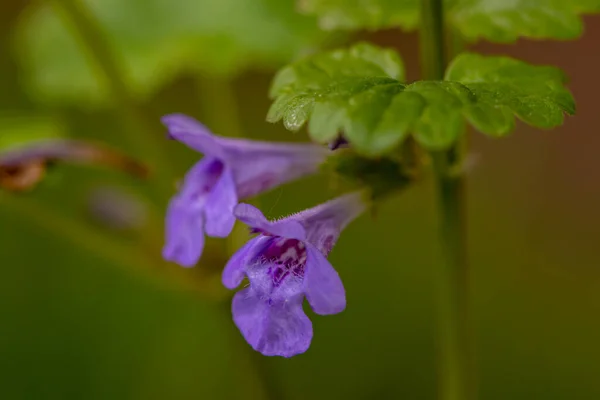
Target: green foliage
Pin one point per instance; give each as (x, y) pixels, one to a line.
(382, 176)
(157, 39)
(343, 90)
(506, 21)
(367, 14)
(494, 20)
(502, 86)
(359, 92)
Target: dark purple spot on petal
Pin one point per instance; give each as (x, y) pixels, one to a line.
(212, 174)
(289, 257)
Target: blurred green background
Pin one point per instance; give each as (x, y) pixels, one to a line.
(92, 312)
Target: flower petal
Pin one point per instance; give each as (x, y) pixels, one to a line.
(324, 223)
(322, 284)
(273, 329)
(184, 234)
(218, 209)
(257, 166)
(254, 218)
(195, 135)
(185, 215)
(233, 273)
(323, 235)
(261, 166)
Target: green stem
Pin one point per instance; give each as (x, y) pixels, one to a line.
(455, 363)
(453, 286)
(433, 58)
(143, 136)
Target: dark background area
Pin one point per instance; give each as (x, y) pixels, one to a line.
(89, 312)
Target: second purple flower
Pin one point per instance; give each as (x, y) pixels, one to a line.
(285, 263)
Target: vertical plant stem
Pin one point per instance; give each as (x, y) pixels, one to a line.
(432, 46)
(455, 363)
(142, 135)
(455, 370)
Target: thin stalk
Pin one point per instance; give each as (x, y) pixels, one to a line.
(455, 363)
(455, 370)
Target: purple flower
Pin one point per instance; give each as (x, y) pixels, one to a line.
(285, 263)
(231, 169)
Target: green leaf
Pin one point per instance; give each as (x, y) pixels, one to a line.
(494, 20)
(502, 85)
(334, 87)
(396, 121)
(440, 122)
(506, 21)
(316, 72)
(356, 93)
(363, 14)
(155, 40)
